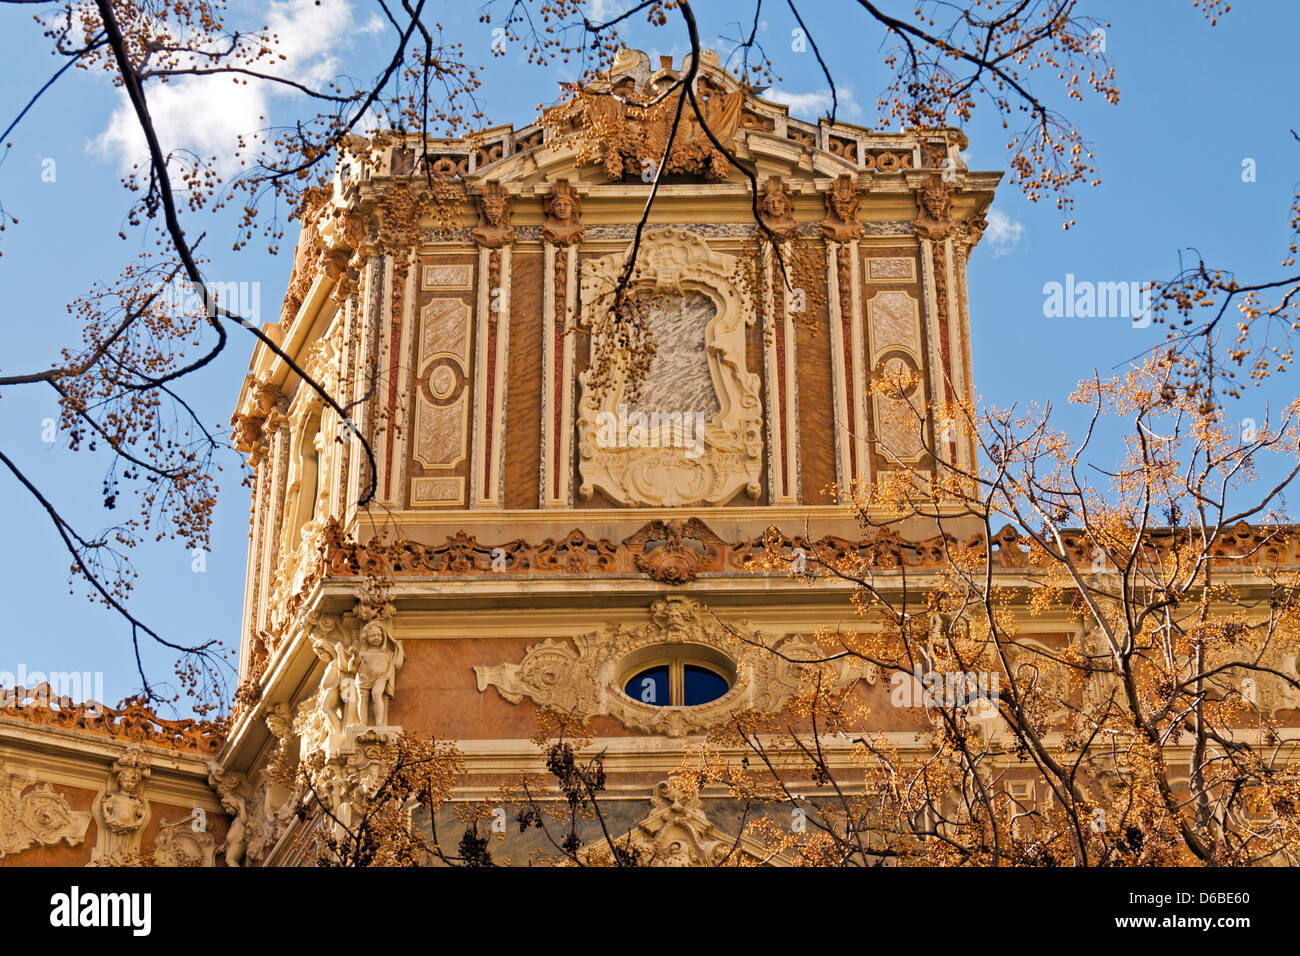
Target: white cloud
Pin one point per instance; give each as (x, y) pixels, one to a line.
(208, 114)
(1003, 232)
(599, 11)
(816, 103)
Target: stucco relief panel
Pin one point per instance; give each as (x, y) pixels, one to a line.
(894, 324)
(694, 435)
(442, 396)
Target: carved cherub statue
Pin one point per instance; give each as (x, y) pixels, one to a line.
(236, 836)
(330, 699)
(379, 656)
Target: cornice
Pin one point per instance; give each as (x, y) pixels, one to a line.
(80, 759)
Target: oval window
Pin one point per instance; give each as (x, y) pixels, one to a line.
(651, 686)
(677, 681)
(701, 685)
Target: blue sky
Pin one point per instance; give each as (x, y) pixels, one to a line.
(1196, 101)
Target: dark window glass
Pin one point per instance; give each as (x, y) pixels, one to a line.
(702, 685)
(650, 687)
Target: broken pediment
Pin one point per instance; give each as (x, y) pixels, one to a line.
(615, 130)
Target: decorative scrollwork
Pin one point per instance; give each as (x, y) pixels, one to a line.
(583, 678)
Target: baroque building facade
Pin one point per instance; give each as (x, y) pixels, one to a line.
(553, 536)
(537, 531)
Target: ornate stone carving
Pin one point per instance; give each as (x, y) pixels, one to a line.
(342, 727)
(627, 128)
(934, 220)
(229, 787)
(704, 230)
(675, 551)
(344, 236)
(1269, 685)
(366, 762)
(179, 844)
(246, 432)
(442, 405)
(776, 208)
(249, 435)
(898, 399)
(259, 815)
(279, 722)
(1034, 664)
(35, 814)
(585, 681)
(271, 812)
(493, 229)
(970, 232)
(563, 225)
(873, 228)
(122, 811)
(884, 550)
(307, 253)
(842, 202)
(886, 161)
(462, 553)
(676, 832)
(399, 224)
(378, 658)
(323, 716)
(881, 269)
(1278, 691)
(132, 721)
(320, 361)
(576, 553)
(726, 454)
(362, 659)
(1103, 687)
(447, 276)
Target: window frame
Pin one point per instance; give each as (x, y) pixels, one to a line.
(676, 664)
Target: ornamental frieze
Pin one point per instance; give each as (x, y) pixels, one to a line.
(677, 551)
